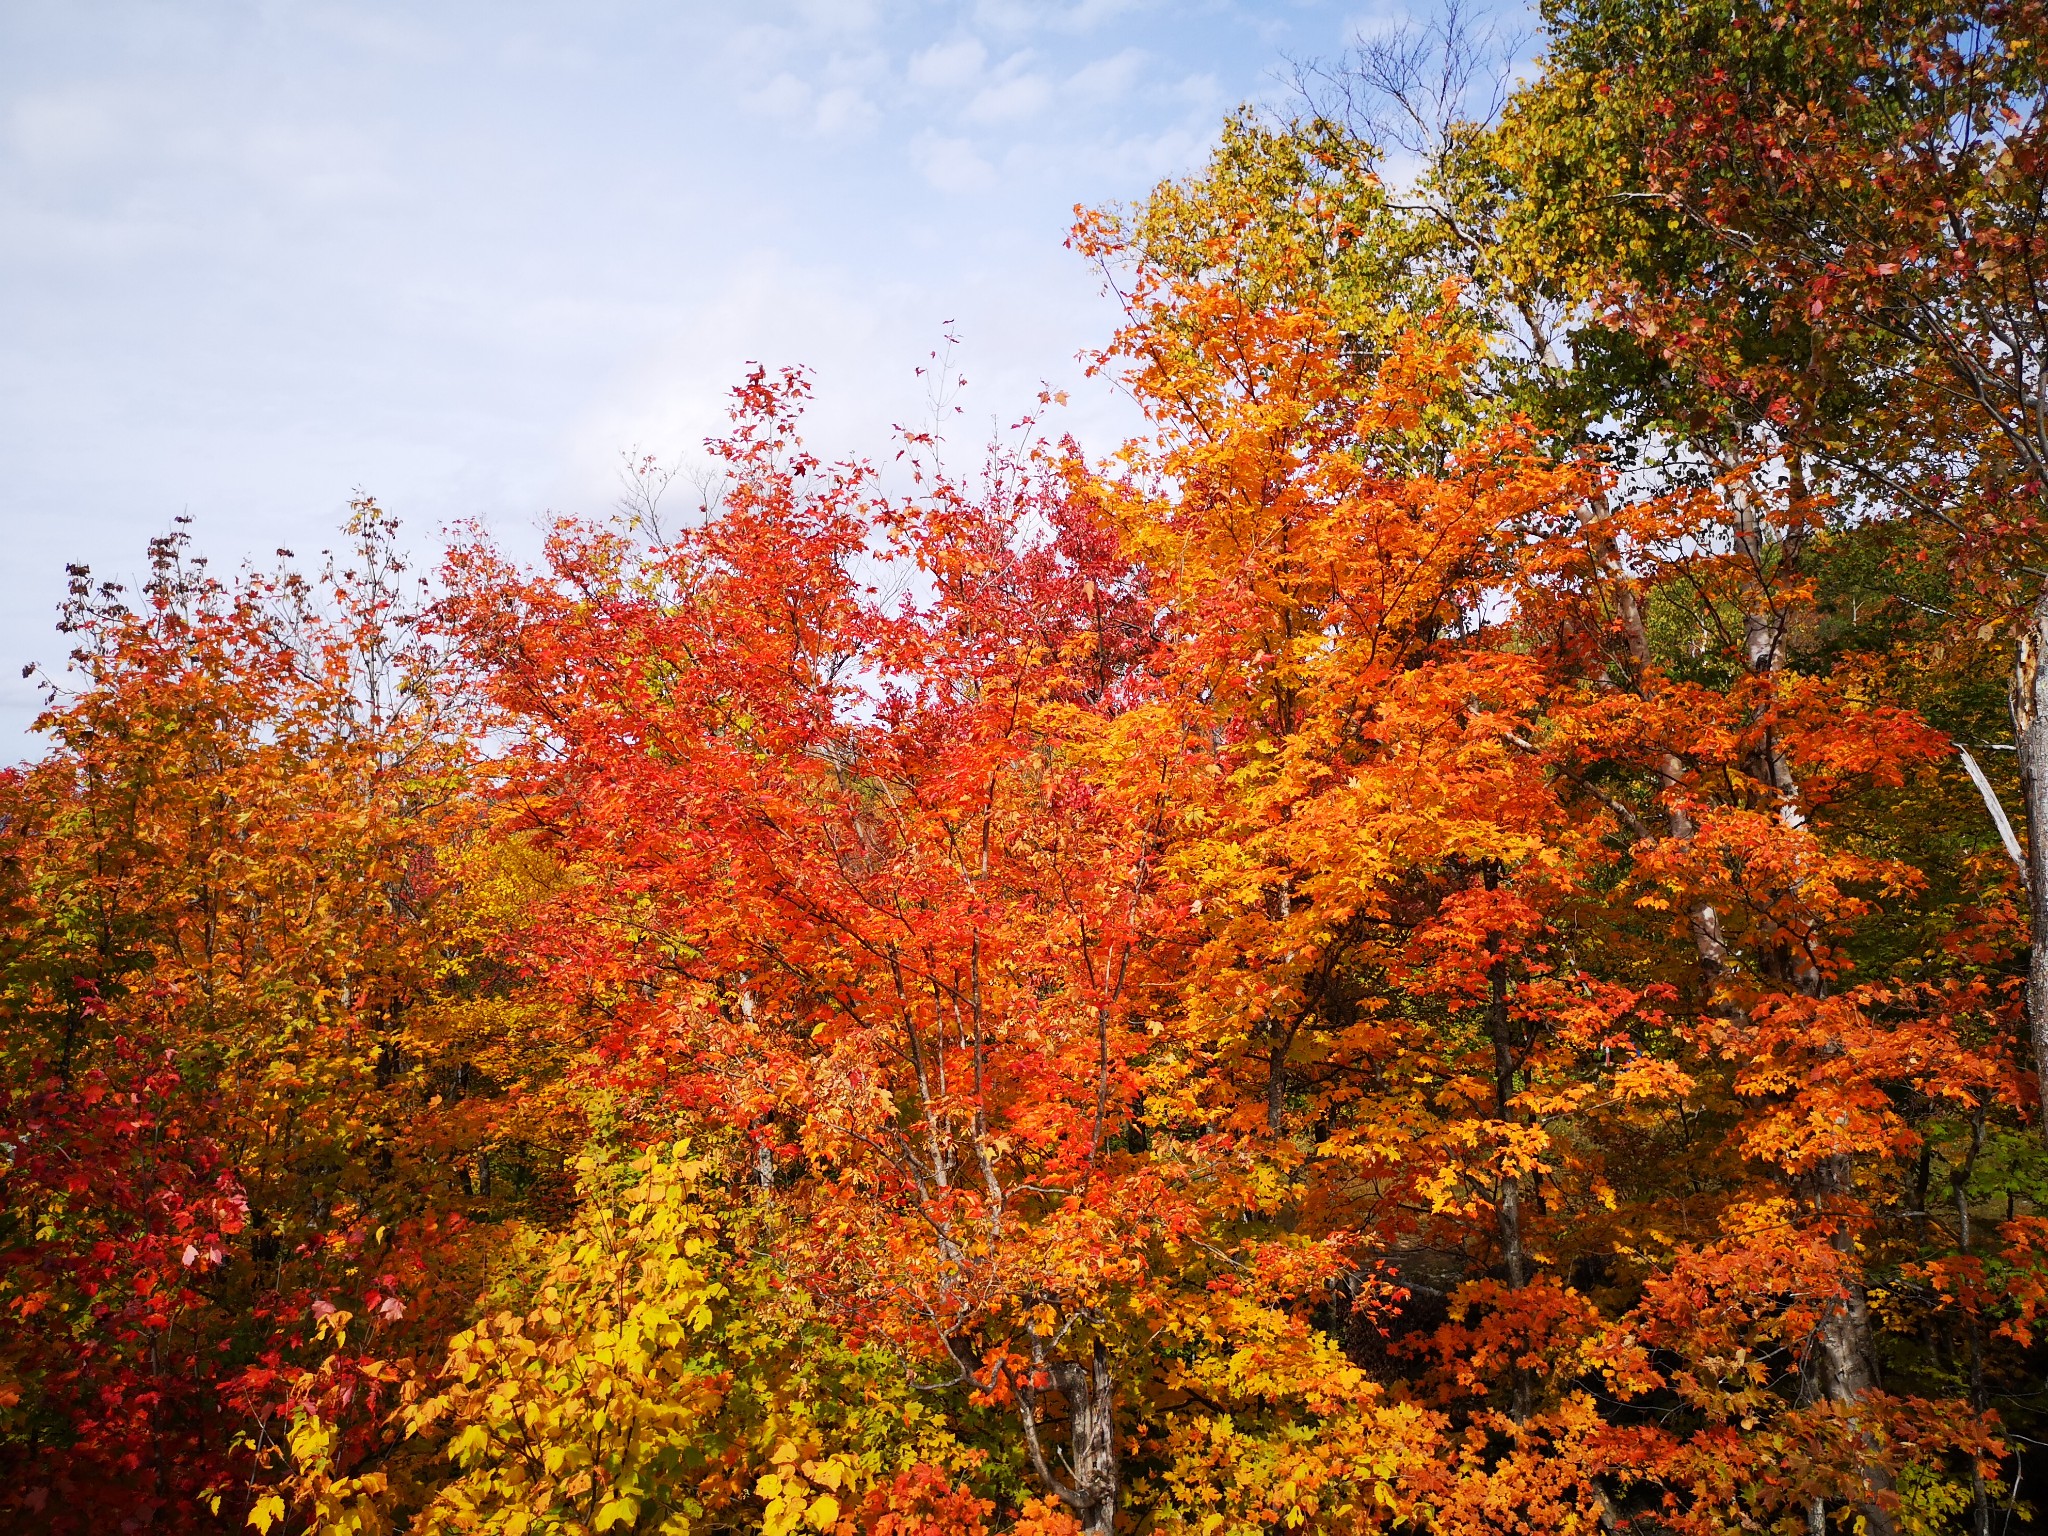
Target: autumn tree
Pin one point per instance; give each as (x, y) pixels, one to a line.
(1701, 697)
(1825, 221)
(234, 979)
(883, 886)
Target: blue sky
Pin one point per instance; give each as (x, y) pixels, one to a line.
(461, 255)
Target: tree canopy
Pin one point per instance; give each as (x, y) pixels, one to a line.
(1452, 939)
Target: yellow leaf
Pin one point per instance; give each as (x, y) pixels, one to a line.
(826, 1474)
(823, 1513)
(618, 1511)
(268, 1511)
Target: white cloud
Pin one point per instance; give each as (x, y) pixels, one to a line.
(808, 88)
(784, 97)
(845, 112)
(395, 37)
(1378, 22)
(840, 16)
(861, 66)
(1010, 15)
(1087, 15)
(1107, 79)
(945, 66)
(64, 128)
(1010, 100)
(114, 154)
(759, 47)
(950, 164)
(543, 54)
(1141, 160)
(326, 165)
(455, 253)
(1021, 16)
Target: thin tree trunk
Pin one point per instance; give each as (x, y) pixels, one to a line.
(2029, 700)
(1848, 1337)
(1959, 1190)
(1848, 1340)
(1849, 1347)
(1508, 1208)
(1276, 1070)
(1708, 938)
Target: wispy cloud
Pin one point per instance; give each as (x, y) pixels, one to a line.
(846, 111)
(1078, 18)
(950, 164)
(459, 254)
(1109, 78)
(949, 65)
(1010, 101)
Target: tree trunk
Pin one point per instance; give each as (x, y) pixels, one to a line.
(1848, 1338)
(2030, 734)
(1959, 1191)
(1708, 938)
(1849, 1347)
(1508, 1206)
(1091, 1438)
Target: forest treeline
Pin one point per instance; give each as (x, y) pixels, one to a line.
(1452, 939)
